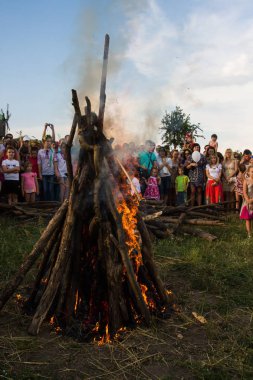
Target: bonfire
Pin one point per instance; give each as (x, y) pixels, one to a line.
(97, 275)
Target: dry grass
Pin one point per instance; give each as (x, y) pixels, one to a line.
(212, 279)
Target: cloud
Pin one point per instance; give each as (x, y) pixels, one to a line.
(197, 54)
(205, 66)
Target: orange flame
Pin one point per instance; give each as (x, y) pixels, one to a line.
(96, 328)
(144, 289)
(129, 222)
(105, 339)
(51, 320)
(18, 297)
(76, 303)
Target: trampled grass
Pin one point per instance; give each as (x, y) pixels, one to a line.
(213, 279)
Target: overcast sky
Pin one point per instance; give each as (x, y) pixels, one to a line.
(197, 54)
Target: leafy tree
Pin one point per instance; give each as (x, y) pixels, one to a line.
(175, 126)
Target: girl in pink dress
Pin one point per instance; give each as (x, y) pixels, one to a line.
(29, 183)
(247, 206)
(238, 189)
(152, 190)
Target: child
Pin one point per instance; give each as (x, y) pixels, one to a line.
(135, 186)
(29, 183)
(11, 169)
(247, 206)
(238, 189)
(213, 142)
(214, 192)
(152, 190)
(181, 185)
(188, 141)
(33, 159)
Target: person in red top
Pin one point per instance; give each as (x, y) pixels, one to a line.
(33, 159)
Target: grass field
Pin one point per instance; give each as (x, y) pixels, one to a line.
(215, 280)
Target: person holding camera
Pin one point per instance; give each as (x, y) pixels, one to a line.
(44, 134)
(46, 169)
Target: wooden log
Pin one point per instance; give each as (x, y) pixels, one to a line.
(68, 149)
(163, 230)
(40, 204)
(152, 216)
(38, 248)
(49, 295)
(198, 232)
(75, 103)
(102, 97)
(113, 265)
(152, 202)
(135, 288)
(44, 265)
(147, 256)
(204, 215)
(121, 246)
(211, 205)
(180, 220)
(201, 222)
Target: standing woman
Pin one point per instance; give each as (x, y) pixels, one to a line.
(196, 175)
(229, 171)
(247, 206)
(213, 185)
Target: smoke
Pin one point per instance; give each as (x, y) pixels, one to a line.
(130, 115)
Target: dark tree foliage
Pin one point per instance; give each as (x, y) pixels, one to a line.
(4, 118)
(175, 125)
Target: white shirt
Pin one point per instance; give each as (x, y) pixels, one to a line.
(164, 171)
(45, 159)
(10, 164)
(214, 171)
(61, 164)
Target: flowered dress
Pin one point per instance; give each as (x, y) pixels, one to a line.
(228, 168)
(239, 185)
(197, 174)
(247, 208)
(152, 190)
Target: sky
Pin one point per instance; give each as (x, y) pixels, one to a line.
(196, 54)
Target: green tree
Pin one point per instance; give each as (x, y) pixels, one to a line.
(175, 125)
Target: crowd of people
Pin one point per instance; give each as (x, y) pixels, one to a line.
(191, 176)
(31, 172)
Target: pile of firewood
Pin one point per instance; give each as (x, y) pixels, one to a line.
(163, 221)
(24, 211)
(97, 272)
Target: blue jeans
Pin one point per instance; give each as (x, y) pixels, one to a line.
(48, 187)
(181, 197)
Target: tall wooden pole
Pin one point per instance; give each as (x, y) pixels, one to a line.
(102, 97)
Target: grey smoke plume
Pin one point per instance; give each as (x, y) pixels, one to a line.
(88, 58)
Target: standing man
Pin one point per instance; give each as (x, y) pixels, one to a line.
(46, 169)
(246, 157)
(147, 159)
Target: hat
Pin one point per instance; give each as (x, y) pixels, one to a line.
(26, 138)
